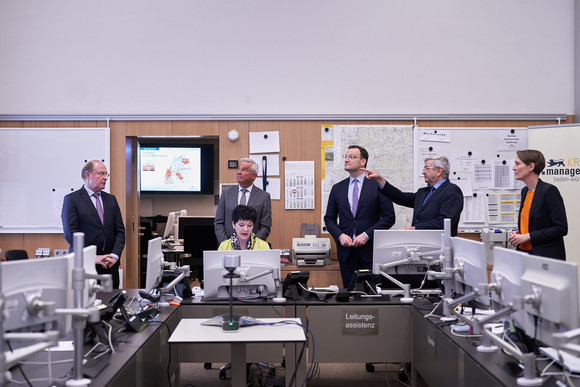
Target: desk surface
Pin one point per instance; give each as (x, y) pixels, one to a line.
(480, 368)
(191, 331)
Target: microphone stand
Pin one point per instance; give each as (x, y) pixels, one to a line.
(231, 324)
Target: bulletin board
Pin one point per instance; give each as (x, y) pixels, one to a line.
(39, 167)
(481, 165)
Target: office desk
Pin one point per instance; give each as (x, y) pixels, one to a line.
(190, 332)
(140, 358)
(442, 359)
(358, 331)
(197, 308)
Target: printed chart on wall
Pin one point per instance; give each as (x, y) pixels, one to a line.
(481, 165)
(390, 150)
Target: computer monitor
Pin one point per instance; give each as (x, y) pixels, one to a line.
(154, 264)
(469, 258)
(396, 253)
(259, 271)
(89, 260)
(171, 225)
(198, 236)
(47, 280)
(505, 282)
(202, 222)
(549, 288)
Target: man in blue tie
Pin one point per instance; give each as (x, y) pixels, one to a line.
(354, 211)
(441, 199)
(96, 213)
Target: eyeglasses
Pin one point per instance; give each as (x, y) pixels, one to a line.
(351, 157)
(102, 174)
(426, 168)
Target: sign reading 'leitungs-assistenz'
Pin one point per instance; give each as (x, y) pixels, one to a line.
(360, 321)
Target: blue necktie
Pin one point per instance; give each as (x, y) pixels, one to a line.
(429, 195)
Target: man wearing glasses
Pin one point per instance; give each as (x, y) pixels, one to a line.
(95, 213)
(432, 204)
(354, 211)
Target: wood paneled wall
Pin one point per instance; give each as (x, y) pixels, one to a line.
(299, 141)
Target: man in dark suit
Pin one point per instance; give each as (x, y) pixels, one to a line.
(441, 199)
(96, 213)
(354, 211)
(248, 194)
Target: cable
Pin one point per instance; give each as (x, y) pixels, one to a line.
(291, 322)
(109, 336)
(318, 291)
(18, 366)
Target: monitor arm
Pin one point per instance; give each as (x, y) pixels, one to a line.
(244, 278)
(406, 287)
(450, 304)
(528, 359)
(184, 272)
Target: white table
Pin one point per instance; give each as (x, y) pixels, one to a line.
(190, 331)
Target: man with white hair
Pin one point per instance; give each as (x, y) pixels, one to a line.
(441, 199)
(248, 194)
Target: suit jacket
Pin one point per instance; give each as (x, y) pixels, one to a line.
(374, 212)
(259, 200)
(79, 214)
(547, 221)
(445, 202)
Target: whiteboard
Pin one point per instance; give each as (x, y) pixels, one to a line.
(481, 164)
(287, 57)
(39, 167)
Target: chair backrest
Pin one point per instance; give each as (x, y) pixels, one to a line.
(13, 255)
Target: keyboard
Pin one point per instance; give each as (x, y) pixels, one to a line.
(571, 362)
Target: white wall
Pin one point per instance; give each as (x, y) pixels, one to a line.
(286, 57)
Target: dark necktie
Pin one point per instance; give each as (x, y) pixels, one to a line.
(99, 206)
(429, 194)
(243, 198)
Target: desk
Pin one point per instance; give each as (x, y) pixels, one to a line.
(140, 358)
(442, 359)
(190, 331)
(215, 353)
(358, 331)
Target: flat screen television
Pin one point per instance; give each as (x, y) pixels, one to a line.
(176, 168)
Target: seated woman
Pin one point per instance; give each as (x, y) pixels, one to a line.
(243, 220)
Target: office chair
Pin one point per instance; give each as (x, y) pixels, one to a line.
(13, 255)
